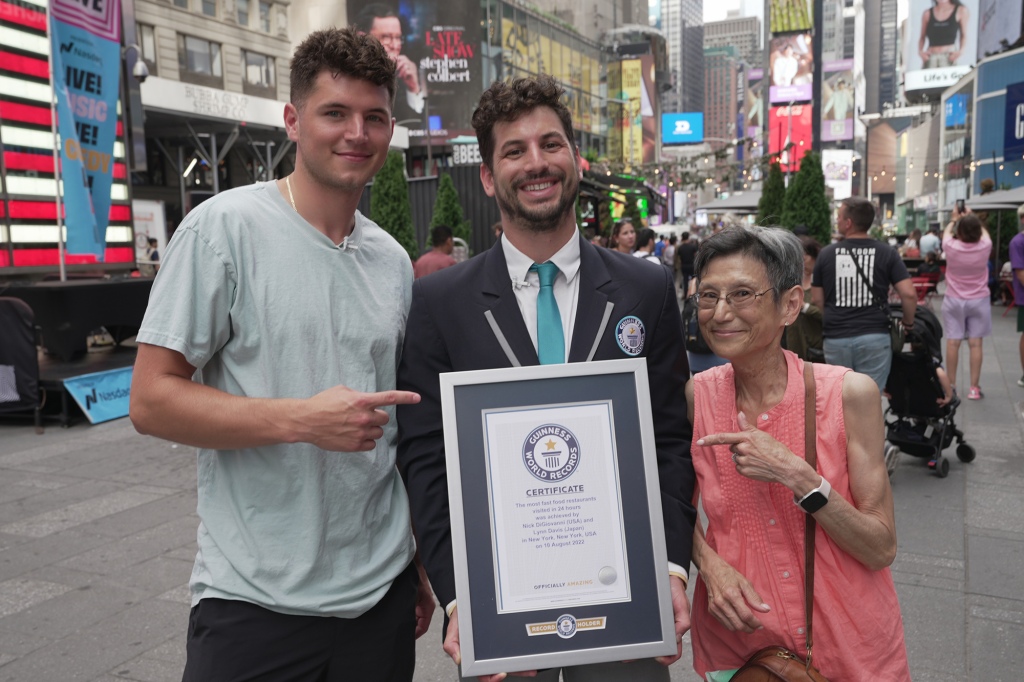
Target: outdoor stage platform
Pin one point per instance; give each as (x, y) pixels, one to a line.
(53, 372)
(67, 312)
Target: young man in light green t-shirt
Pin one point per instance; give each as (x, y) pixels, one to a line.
(270, 344)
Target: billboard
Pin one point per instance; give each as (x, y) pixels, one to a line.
(1013, 137)
(685, 128)
(436, 46)
(753, 103)
(791, 67)
(790, 15)
(837, 165)
(838, 103)
(941, 43)
(789, 134)
(649, 109)
(999, 25)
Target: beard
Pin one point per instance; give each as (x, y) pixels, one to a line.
(544, 218)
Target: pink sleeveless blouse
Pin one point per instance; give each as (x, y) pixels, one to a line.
(757, 529)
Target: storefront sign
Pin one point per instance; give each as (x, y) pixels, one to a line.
(170, 95)
(1013, 138)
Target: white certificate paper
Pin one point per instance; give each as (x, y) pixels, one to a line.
(553, 486)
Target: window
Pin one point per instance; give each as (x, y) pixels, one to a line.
(265, 16)
(181, 3)
(199, 61)
(243, 12)
(259, 74)
(209, 7)
(146, 36)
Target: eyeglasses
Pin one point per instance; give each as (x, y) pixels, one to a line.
(738, 299)
(393, 38)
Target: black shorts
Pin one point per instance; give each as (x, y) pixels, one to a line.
(231, 641)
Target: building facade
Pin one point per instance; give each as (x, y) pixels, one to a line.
(682, 23)
(723, 85)
(593, 18)
(742, 33)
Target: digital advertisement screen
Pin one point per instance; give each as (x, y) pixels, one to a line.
(791, 69)
(941, 43)
(788, 125)
(837, 101)
(682, 128)
(436, 47)
(790, 15)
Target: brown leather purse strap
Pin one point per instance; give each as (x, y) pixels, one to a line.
(811, 455)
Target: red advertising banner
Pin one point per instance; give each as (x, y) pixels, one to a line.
(789, 134)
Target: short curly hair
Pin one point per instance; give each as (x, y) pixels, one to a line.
(506, 101)
(344, 51)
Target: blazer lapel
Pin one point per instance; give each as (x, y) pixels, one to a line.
(590, 308)
(497, 290)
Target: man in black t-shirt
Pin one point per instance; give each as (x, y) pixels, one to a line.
(849, 277)
(685, 253)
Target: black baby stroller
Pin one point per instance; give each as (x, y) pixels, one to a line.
(918, 425)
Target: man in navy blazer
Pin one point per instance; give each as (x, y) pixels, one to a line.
(483, 314)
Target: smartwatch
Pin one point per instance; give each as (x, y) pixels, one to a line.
(816, 499)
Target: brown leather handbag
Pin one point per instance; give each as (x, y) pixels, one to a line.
(776, 663)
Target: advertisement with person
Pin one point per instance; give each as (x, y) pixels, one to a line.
(790, 15)
(999, 26)
(753, 103)
(941, 43)
(436, 47)
(791, 68)
(837, 165)
(837, 101)
(789, 134)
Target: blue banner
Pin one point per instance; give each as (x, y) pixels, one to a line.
(103, 395)
(1013, 138)
(85, 44)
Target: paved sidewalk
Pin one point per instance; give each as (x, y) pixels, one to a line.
(97, 538)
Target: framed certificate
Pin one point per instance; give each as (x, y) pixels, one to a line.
(557, 528)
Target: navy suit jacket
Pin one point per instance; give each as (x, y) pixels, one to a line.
(449, 330)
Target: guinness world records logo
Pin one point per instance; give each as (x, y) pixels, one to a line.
(551, 453)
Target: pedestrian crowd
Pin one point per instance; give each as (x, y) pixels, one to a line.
(293, 343)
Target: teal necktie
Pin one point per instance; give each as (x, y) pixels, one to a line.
(550, 340)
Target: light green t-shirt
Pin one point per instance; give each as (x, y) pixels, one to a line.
(264, 305)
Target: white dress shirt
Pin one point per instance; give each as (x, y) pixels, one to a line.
(566, 287)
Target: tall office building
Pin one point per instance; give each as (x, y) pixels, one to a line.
(880, 46)
(833, 34)
(682, 23)
(723, 91)
(743, 33)
(592, 18)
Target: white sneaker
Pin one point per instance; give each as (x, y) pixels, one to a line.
(892, 458)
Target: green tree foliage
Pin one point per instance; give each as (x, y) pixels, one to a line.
(806, 203)
(389, 204)
(769, 208)
(448, 209)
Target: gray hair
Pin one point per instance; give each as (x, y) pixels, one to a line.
(779, 250)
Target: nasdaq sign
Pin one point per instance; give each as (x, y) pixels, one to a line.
(682, 128)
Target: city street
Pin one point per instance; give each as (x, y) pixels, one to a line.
(98, 533)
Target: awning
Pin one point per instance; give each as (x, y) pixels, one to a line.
(1004, 199)
(738, 202)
